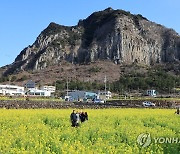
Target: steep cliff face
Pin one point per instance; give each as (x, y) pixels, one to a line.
(54, 44)
(115, 35)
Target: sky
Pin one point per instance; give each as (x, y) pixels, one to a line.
(23, 20)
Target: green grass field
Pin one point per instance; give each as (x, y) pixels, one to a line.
(106, 131)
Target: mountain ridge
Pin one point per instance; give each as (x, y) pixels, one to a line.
(114, 35)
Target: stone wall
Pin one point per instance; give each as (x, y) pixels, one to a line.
(17, 104)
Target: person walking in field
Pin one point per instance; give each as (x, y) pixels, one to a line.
(73, 118)
(82, 116)
(86, 116)
(78, 118)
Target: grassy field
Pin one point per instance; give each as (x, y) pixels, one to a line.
(106, 131)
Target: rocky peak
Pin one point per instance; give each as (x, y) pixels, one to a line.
(114, 35)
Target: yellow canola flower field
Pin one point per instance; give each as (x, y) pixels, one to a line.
(107, 131)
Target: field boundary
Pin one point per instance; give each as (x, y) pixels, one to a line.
(22, 104)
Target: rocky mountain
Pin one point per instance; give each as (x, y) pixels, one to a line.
(113, 35)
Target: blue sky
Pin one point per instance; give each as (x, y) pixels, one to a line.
(23, 20)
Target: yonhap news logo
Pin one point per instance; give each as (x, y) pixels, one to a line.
(145, 139)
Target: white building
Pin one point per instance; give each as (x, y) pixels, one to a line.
(37, 92)
(103, 94)
(45, 91)
(52, 89)
(11, 90)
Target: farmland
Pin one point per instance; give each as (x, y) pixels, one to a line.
(106, 131)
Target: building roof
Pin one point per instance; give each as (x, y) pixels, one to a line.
(10, 86)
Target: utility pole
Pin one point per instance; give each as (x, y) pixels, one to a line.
(55, 86)
(67, 86)
(67, 97)
(109, 87)
(174, 88)
(105, 80)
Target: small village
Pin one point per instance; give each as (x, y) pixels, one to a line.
(31, 90)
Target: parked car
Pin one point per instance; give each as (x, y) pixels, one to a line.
(98, 101)
(68, 98)
(148, 104)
